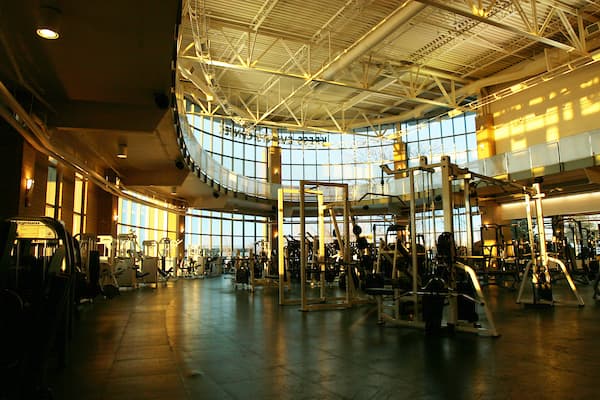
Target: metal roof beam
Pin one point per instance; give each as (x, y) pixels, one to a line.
(509, 28)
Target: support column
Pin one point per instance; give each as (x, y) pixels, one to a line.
(274, 178)
(180, 238)
(400, 156)
(107, 213)
(486, 138)
(20, 162)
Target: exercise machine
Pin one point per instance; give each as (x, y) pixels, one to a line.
(149, 262)
(450, 296)
(541, 264)
(37, 279)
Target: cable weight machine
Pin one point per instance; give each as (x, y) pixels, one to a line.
(442, 287)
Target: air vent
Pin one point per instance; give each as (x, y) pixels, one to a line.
(592, 29)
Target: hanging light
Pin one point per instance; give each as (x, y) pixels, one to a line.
(122, 153)
(49, 23)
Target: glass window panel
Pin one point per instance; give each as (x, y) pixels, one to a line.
(261, 171)
(78, 198)
(227, 147)
(347, 156)
(348, 172)
(297, 172)
(310, 172)
(227, 163)
(238, 228)
(309, 156)
(261, 230)
(261, 154)
(335, 156)
(286, 156)
(448, 145)
(286, 172)
(217, 145)
(51, 186)
(322, 156)
(411, 133)
(323, 172)
(460, 142)
(76, 224)
(226, 227)
(470, 122)
(362, 171)
(471, 142)
(250, 151)
(249, 170)
(335, 172)
(424, 149)
(435, 129)
(249, 230)
(216, 226)
(447, 128)
(238, 166)
(459, 124)
(205, 241)
(423, 131)
(226, 245)
(238, 149)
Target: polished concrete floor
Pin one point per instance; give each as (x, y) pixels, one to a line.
(203, 339)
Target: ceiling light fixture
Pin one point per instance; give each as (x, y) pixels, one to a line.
(49, 22)
(122, 153)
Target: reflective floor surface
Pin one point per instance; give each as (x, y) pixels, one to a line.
(203, 339)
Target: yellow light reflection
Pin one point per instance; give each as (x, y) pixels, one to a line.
(552, 134)
(536, 101)
(589, 106)
(567, 113)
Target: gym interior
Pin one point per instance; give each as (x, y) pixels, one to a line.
(280, 199)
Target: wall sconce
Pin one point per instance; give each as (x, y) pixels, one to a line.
(122, 153)
(173, 190)
(29, 182)
(49, 23)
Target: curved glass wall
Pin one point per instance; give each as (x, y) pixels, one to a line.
(147, 223)
(224, 234)
(354, 159)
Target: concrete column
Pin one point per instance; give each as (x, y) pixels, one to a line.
(180, 237)
(274, 177)
(486, 138)
(400, 155)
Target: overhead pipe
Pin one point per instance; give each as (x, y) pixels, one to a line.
(379, 32)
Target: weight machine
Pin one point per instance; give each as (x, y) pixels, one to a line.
(149, 262)
(37, 278)
(88, 280)
(443, 286)
(107, 249)
(325, 300)
(539, 265)
(127, 260)
(168, 266)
